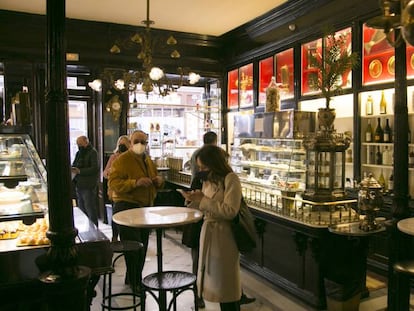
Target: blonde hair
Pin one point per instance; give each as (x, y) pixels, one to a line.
(119, 140)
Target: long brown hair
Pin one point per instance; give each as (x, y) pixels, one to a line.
(215, 159)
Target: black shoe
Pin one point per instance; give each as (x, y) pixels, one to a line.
(244, 300)
(200, 302)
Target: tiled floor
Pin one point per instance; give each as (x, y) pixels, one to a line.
(177, 257)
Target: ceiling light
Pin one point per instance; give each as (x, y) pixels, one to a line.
(151, 76)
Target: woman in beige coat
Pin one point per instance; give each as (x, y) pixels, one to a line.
(219, 262)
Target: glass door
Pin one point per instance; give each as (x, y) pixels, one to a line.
(78, 123)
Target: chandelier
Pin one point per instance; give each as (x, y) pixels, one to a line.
(150, 78)
(397, 14)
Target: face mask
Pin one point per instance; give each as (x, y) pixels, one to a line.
(122, 148)
(138, 148)
(202, 175)
(81, 148)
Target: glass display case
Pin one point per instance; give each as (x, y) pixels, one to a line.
(272, 173)
(23, 180)
(273, 162)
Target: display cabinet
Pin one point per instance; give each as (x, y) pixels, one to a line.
(273, 175)
(23, 179)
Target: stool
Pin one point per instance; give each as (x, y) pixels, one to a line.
(404, 269)
(169, 281)
(120, 248)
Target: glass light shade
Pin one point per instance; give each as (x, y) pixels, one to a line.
(115, 49)
(171, 40)
(156, 73)
(96, 85)
(193, 77)
(120, 84)
(136, 38)
(175, 54)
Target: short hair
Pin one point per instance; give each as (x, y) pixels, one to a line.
(210, 138)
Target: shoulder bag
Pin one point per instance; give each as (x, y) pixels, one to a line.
(244, 230)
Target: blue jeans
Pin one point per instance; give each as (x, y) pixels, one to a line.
(87, 203)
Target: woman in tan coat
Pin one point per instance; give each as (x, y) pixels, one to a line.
(219, 262)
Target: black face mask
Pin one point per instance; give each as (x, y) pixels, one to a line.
(81, 148)
(122, 148)
(202, 175)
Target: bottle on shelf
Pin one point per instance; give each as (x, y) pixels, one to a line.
(387, 132)
(387, 156)
(379, 133)
(383, 104)
(381, 181)
(371, 157)
(368, 132)
(411, 159)
(272, 96)
(369, 106)
(391, 183)
(378, 156)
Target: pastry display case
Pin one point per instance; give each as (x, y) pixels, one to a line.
(273, 175)
(23, 180)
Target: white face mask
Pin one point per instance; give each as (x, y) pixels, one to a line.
(138, 148)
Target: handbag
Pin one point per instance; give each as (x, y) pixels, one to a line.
(244, 230)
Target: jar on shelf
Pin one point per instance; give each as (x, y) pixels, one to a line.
(272, 96)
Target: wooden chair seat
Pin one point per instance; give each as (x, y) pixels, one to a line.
(173, 281)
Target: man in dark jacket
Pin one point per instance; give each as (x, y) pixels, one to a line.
(85, 168)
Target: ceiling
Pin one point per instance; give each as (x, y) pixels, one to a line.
(212, 17)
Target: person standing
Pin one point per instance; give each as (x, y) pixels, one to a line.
(85, 168)
(191, 233)
(218, 277)
(122, 145)
(134, 181)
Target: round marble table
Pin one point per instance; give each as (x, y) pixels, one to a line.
(158, 218)
(406, 225)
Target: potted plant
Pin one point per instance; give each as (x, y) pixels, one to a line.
(333, 67)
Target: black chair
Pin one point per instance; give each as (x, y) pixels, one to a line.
(120, 248)
(175, 282)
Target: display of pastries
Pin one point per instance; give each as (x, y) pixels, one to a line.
(34, 234)
(10, 229)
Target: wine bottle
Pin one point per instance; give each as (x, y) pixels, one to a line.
(386, 156)
(391, 183)
(369, 109)
(378, 156)
(379, 133)
(387, 132)
(383, 104)
(411, 159)
(381, 181)
(368, 132)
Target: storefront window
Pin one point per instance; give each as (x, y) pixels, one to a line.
(233, 89)
(265, 75)
(284, 73)
(177, 122)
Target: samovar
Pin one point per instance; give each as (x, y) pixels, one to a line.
(370, 200)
